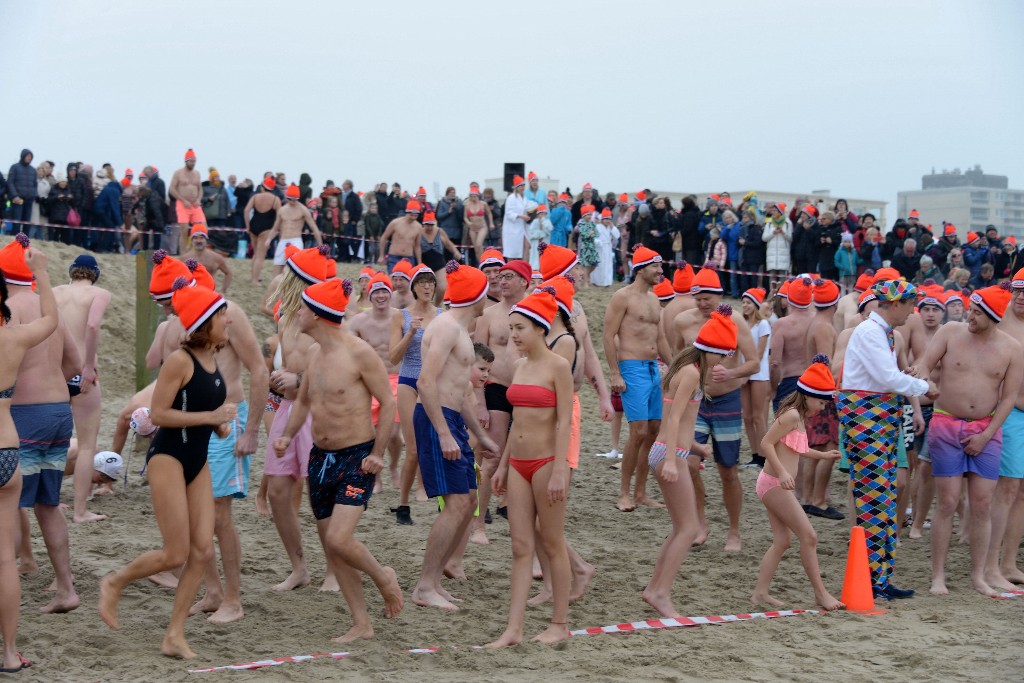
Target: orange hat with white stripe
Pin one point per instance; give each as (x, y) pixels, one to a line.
(200, 274)
(401, 269)
(682, 279)
(719, 334)
(817, 380)
(313, 265)
(643, 257)
(801, 292)
(706, 281)
(381, 281)
(166, 269)
(12, 262)
(826, 293)
(663, 290)
(993, 300)
(555, 260)
(756, 295)
(194, 305)
(466, 285)
(199, 229)
(491, 257)
(565, 289)
(328, 300)
(540, 307)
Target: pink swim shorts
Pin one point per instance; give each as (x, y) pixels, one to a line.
(295, 461)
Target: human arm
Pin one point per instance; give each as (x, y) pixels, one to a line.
(400, 341)
(297, 416)
(595, 378)
(559, 479)
(469, 410)
(1008, 392)
(248, 211)
(785, 423)
(775, 356)
(417, 246)
(612, 321)
(275, 229)
(173, 376)
(866, 352)
(222, 266)
(441, 343)
(154, 356)
(71, 357)
(375, 377)
(246, 346)
(664, 349)
(384, 239)
(92, 337)
(308, 218)
(449, 245)
(751, 362)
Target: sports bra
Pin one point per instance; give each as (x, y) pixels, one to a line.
(796, 440)
(8, 392)
(531, 396)
(555, 341)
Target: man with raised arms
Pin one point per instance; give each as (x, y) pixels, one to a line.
(981, 374)
(373, 326)
(401, 239)
(719, 418)
(82, 305)
(442, 417)
(633, 340)
(493, 409)
(346, 454)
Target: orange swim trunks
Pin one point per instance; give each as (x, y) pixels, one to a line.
(375, 406)
(188, 216)
(574, 434)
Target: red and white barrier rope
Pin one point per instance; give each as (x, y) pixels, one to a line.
(648, 624)
(1009, 594)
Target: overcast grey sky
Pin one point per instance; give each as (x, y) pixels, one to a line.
(858, 97)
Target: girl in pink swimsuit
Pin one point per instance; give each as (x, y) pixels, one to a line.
(783, 446)
(668, 459)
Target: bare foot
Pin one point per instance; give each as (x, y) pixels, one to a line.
(939, 587)
(625, 504)
(539, 599)
(764, 599)
(828, 603)
(648, 502)
(110, 596)
(555, 633)
(702, 535)
(330, 584)
(363, 632)
(396, 478)
(982, 587)
(394, 601)
(914, 534)
(661, 603)
(103, 490)
(1012, 574)
(732, 544)
(88, 517)
(378, 486)
(262, 506)
(508, 639)
(421, 496)
(52, 588)
(479, 536)
(432, 599)
(294, 580)
(581, 582)
(997, 580)
(61, 604)
(538, 573)
(165, 580)
(207, 604)
(226, 614)
(64, 507)
(177, 648)
(455, 572)
(26, 567)
(446, 595)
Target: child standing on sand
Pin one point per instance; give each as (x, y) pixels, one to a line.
(782, 448)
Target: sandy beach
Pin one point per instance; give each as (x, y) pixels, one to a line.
(957, 637)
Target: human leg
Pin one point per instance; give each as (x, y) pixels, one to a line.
(693, 465)
(280, 490)
(551, 518)
(781, 539)
(445, 533)
(948, 497)
(521, 518)
(682, 509)
(979, 492)
(923, 498)
(406, 405)
(640, 487)
(86, 410)
(230, 608)
(10, 582)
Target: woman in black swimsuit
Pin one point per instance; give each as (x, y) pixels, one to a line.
(188, 406)
(433, 244)
(15, 340)
(264, 206)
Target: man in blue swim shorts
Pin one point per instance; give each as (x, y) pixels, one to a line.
(720, 418)
(442, 420)
(633, 340)
(979, 379)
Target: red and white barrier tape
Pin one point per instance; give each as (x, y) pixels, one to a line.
(649, 624)
(270, 662)
(1009, 594)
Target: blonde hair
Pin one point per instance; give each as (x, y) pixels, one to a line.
(689, 356)
(289, 293)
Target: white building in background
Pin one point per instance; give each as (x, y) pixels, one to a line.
(970, 200)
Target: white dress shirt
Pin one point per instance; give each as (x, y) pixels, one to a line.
(869, 364)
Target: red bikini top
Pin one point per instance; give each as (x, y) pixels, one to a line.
(531, 396)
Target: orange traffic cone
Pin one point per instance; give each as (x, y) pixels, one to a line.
(857, 594)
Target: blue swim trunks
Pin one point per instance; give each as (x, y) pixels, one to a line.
(441, 476)
(44, 433)
(721, 420)
(230, 474)
(642, 398)
(787, 385)
(1012, 463)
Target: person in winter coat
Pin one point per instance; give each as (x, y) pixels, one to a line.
(305, 188)
(805, 240)
(730, 233)
(846, 260)
(827, 234)
(894, 240)
(986, 277)
(688, 221)
(777, 236)
(106, 213)
(1006, 258)
(22, 188)
(871, 250)
(59, 204)
(846, 219)
(976, 253)
(717, 254)
(907, 261)
(449, 216)
(215, 202)
(751, 250)
(940, 248)
(928, 271)
(660, 231)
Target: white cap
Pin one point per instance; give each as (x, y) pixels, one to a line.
(141, 422)
(108, 463)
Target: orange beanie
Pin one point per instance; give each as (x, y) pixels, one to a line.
(817, 380)
(329, 299)
(466, 284)
(719, 334)
(194, 305)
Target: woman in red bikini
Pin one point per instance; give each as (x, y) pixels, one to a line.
(534, 470)
(682, 387)
(479, 220)
(782, 447)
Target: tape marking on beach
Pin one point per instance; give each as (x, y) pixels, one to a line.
(679, 622)
(270, 662)
(1009, 594)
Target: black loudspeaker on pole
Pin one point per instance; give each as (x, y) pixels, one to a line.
(511, 171)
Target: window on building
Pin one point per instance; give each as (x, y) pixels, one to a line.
(1001, 213)
(979, 214)
(1000, 196)
(979, 196)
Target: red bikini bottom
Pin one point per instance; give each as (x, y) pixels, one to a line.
(527, 467)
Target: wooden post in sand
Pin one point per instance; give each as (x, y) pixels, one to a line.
(147, 317)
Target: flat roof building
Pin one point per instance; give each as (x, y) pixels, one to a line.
(970, 200)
